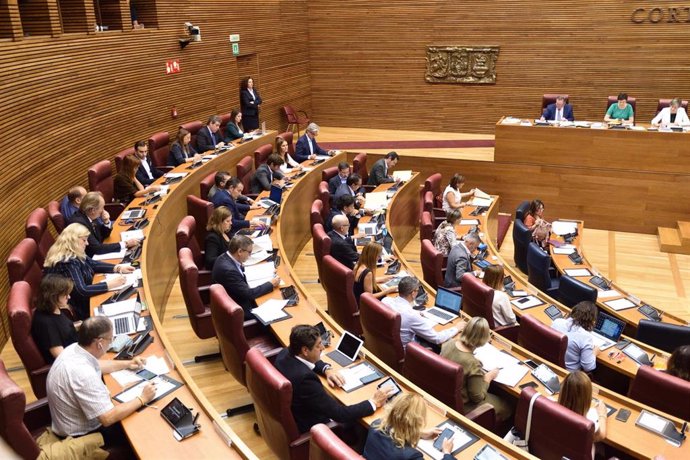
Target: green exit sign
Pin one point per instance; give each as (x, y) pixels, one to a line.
(235, 49)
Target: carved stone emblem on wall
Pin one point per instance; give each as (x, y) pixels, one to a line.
(461, 64)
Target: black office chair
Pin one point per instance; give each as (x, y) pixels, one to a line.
(538, 270)
(522, 237)
(665, 336)
(572, 291)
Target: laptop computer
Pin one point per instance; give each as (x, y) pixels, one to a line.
(127, 323)
(607, 331)
(446, 308)
(274, 198)
(346, 351)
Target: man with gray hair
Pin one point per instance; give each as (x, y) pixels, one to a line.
(460, 260)
(307, 148)
(343, 249)
(413, 326)
(209, 137)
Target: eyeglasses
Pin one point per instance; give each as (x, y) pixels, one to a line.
(109, 339)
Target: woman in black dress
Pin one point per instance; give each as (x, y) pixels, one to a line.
(249, 103)
(52, 327)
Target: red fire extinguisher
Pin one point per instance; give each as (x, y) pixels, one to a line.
(173, 112)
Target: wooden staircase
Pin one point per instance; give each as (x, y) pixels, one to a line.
(675, 240)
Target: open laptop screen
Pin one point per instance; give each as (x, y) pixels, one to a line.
(609, 327)
(448, 300)
(276, 194)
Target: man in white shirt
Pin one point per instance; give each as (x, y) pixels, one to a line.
(146, 173)
(412, 324)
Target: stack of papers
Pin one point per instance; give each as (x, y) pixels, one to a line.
(353, 375)
(376, 200)
(510, 121)
(560, 227)
(511, 370)
(271, 310)
(477, 201)
(154, 364)
(172, 175)
(263, 243)
(257, 257)
(402, 175)
(119, 308)
(259, 274)
(132, 234)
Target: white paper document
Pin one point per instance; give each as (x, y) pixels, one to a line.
(119, 308)
(259, 274)
(620, 304)
(460, 438)
(652, 421)
(476, 201)
(376, 200)
(479, 194)
(469, 222)
(560, 227)
(510, 121)
(491, 357)
(520, 293)
(566, 249)
(526, 302)
(511, 375)
(263, 243)
(172, 175)
(132, 234)
(157, 365)
(257, 257)
(353, 375)
(110, 255)
(402, 175)
(124, 377)
(130, 279)
(577, 272)
(607, 294)
(270, 310)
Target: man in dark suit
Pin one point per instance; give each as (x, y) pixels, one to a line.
(146, 173)
(460, 260)
(268, 174)
(344, 206)
(229, 272)
(228, 197)
(91, 208)
(352, 187)
(559, 111)
(301, 364)
(340, 178)
(342, 247)
(379, 172)
(209, 137)
(306, 147)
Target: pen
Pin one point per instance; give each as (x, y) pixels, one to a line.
(196, 417)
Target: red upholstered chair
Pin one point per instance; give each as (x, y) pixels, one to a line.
(329, 173)
(631, 100)
(56, 216)
(20, 315)
(338, 281)
(325, 197)
(224, 119)
(438, 214)
(322, 246)
(381, 329)
(159, 150)
(193, 127)
(101, 180)
(661, 391)
(663, 103)
(261, 154)
(36, 228)
(432, 265)
(22, 265)
(443, 379)
(295, 118)
(289, 136)
(550, 98)
(201, 210)
(120, 157)
(433, 184)
(557, 432)
(185, 237)
(542, 340)
(245, 172)
(272, 395)
(477, 300)
(326, 445)
(426, 227)
(316, 216)
(359, 166)
(206, 184)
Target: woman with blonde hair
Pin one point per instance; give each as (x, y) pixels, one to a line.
(501, 309)
(67, 257)
(365, 273)
(126, 186)
(282, 148)
(397, 434)
(475, 390)
(218, 235)
(576, 395)
(182, 151)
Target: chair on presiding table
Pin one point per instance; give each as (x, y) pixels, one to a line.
(237, 336)
(663, 103)
(185, 237)
(326, 445)
(542, 340)
(245, 173)
(548, 99)
(662, 391)
(321, 243)
(316, 213)
(572, 291)
(443, 379)
(631, 100)
(477, 300)
(539, 271)
(295, 118)
(159, 150)
(101, 180)
(261, 154)
(381, 330)
(338, 281)
(56, 216)
(22, 265)
(36, 228)
(522, 237)
(201, 211)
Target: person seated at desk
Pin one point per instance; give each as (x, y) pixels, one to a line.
(344, 206)
(182, 151)
(558, 111)
(209, 138)
(219, 182)
(576, 395)
(379, 172)
(126, 186)
(268, 174)
(250, 101)
(339, 179)
(233, 129)
(306, 147)
(229, 197)
(581, 353)
(217, 239)
(228, 271)
(621, 110)
(396, 435)
(352, 187)
(301, 364)
(70, 203)
(445, 237)
(365, 273)
(674, 114)
(282, 148)
(146, 173)
(679, 363)
(343, 249)
(67, 257)
(540, 236)
(96, 219)
(502, 311)
(475, 390)
(51, 327)
(460, 260)
(452, 196)
(414, 326)
(78, 399)
(535, 215)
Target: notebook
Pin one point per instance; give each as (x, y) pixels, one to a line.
(446, 308)
(346, 351)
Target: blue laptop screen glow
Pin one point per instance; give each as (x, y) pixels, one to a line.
(609, 327)
(448, 300)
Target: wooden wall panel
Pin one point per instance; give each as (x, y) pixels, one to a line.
(368, 59)
(72, 100)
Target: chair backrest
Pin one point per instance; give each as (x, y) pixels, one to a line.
(338, 281)
(440, 377)
(206, 184)
(245, 169)
(661, 391)
(433, 184)
(201, 210)
(329, 173)
(521, 210)
(325, 197)
(322, 245)
(22, 265)
(36, 228)
(556, 432)
(433, 207)
(572, 291)
(185, 237)
(547, 99)
(290, 114)
(159, 148)
(56, 216)
(197, 310)
(631, 100)
(261, 154)
(101, 180)
(522, 237)
(228, 320)
(224, 119)
(477, 298)
(381, 329)
(542, 340)
(432, 265)
(359, 166)
(538, 263)
(663, 103)
(193, 127)
(316, 213)
(20, 316)
(325, 445)
(426, 227)
(666, 336)
(272, 396)
(120, 157)
(289, 136)
(12, 428)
